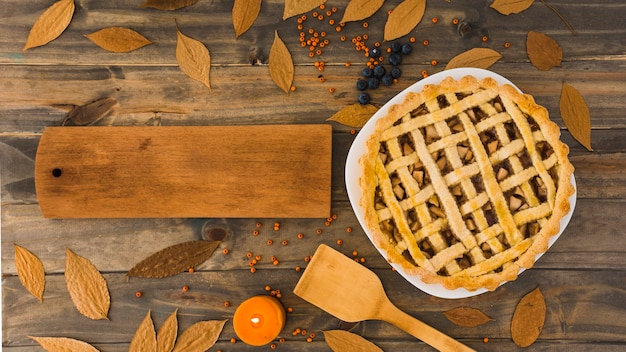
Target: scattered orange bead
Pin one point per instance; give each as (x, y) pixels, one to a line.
(355, 253)
(258, 224)
(485, 339)
(412, 39)
(300, 236)
(258, 257)
(434, 62)
(334, 9)
(455, 21)
(185, 288)
(349, 229)
(327, 223)
(226, 304)
(138, 294)
(298, 269)
(352, 131)
(307, 259)
(233, 340)
(365, 24)
(340, 242)
(289, 310)
(425, 42)
(435, 20)
(389, 12)
(253, 270)
(284, 242)
(507, 45)
(249, 255)
(343, 37)
(484, 38)
(322, 7)
(308, 339)
(255, 232)
(225, 251)
(268, 288)
(270, 242)
(334, 216)
(312, 335)
(331, 90)
(321, 79)
(273, 346)
(331, 22)
(338, 28)
(318, 231)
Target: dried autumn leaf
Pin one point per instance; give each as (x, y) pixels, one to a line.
(30, 271)
(355, 115)
(168, 5)
(507, 7)
(174, 259)
(544, 52)
(193, 58)
(245, 13)
(528, 318)
(477, 57)
(145, 336)
(357, 10)
(404, 18)
(118, 39)
(281, 64)
(166, 337)
(200, 336)
(90, 113)
(50, 24)
(345, 341)
(63, 344)
(575, 114)
(296, 7)
(86, 286)
(467, 317)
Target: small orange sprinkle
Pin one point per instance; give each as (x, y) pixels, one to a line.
(298, 269)
(308, 339)
(322, 7)
(258, 224)
(255, 232)
(327, 223)
(258, 257)
(326, 41)
(307, 259)
(412, 39)
(293, 88)
(425, 42)
(484, 38)
(395, 80)
(268, 288)
(354, 40)
(273, 346)
(284, 242)
(312, 335)
(455, 21)
(273, 258)
(362, 260)
(320, 17)
(507, 45)
(435, 20)
(253, 270)
(318, 231)
(300, 236)
(300, 27)
(377, 44)
(233, 340)
(185, 288)
(311, 54)
(349, 229)
(352, 131)
(342, 24)
(273, 293)
(485, 339)
(334, 9)
(424, 73)
(281, 340)
(388, 50)
(303, 44)
(138, 294)
(338, 29)
(303, 17)
(249, 255)
(275, 262)
(300, 20)
(329, 13)
(225, 251)
(355, 253)
(434, 62)
(331, 22)
(365, 24)
(318, 52)
(303, 332)
(270, 242)
(389, 12)
(331, 90)
(314, 14)
(322, 34)
(289, 310)
(226, 304)
(340, 242)
(342, 38)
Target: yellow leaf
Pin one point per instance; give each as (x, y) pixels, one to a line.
(145, 336)
(575, 114)
(507, 7)
(528, 318)
(245, 13)
(404, 18)
(345, 341)
(169, 5)
(193, 58)
(50, 24)
(86, 286)
(355, 115)
(281, 64)
(166, 337)
(477, 57)
(118, 39)
(200, 336)
(63, 344)
(30, 271)
(361, 9)
(544, 52)
(296, 7)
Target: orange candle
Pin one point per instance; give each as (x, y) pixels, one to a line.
(259, 320)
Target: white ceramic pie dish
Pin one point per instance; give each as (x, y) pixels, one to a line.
(353, 172)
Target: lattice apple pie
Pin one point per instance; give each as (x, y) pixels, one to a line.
(464, 183)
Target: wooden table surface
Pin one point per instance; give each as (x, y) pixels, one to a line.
(583, 276)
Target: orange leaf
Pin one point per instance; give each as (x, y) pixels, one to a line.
(118, 39)
(543, 51)
(166, 337)
(575, 114)
(345, 341)
(200, 336)
(528, 318)
(477, 57)
(404, 18)
(30, 271)
(245, 13)
(357, 10)
(145, 336)
(86, 286)
(467, 317)
(63, 344)
(281, 64)
(296, 7)
(355, 115)
(507, 7)
(193, 58)
(50, 24)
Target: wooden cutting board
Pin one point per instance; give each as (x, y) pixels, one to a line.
(267, 171)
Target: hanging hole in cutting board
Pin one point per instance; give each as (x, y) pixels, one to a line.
(57, 172)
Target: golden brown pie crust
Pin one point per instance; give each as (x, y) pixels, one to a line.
(464, 183)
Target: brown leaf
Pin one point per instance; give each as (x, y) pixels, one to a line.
(345, 341)
(169, 5)
(193, 58)
(63, 344)
(467, 317)
(404, 18)
(245, 13)
(575, 114)
(30, 271)
(200, 336)
(296, 7)
(90, 113)
(543, 51)
(281, 64)
(477, 57)
(118, 39)
(145, 336)
(355, 115)
(174, 259)
(507, 7)
(357, 10)
(50, 24)
(166, 337)
(86, 286)
(528, 318)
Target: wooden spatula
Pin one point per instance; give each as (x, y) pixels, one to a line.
(352, 293)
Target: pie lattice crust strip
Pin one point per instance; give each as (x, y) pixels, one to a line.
(464, 183)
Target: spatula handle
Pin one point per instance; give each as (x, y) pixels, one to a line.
(422, 331)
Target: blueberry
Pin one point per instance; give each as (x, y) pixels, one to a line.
(396, 72)
(396, 47)
(387, 80)
(361, 84)
(375, 53)
(395, 59)
(367, 72)
(373, 83)
(407, 49)
(379, 71)
(364, 98)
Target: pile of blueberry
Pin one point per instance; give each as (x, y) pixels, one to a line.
(372, 78)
